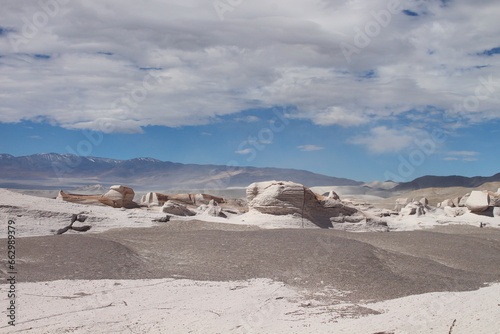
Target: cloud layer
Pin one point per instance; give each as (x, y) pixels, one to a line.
(118, 66)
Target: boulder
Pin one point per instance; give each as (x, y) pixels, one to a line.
(176, 209)
(121, 196)
(494, 200)
(424, 201)
(496, 212)
(289, 198)
(401, 203)
(60, 196)
(456, 201)
(463, 200)
(189, 199)
(212, 209)
(478, 201)
(333, 195)
(150, 199)
(414, 208)
(454, 212)
(447, 202)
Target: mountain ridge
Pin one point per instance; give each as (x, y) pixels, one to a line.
(72, 170)
(433, 181)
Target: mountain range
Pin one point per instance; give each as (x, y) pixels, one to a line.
(67, 171)
(57, 171)
(430, 181)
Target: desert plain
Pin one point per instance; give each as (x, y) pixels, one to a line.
(248, 272)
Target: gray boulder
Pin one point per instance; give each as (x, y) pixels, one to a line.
(176, 209)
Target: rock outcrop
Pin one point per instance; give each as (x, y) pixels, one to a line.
(455, 211)
(478, 201)
(413, 208)
(445, 203)
(289, 198)
(117, 197)
(189, 199)
(494, 199)
(212, 209)
(401, 203)
(150, 199)
(463, 200)
(456, 201)
(176, 209)
(333, 195)
(121, 196)
(496, 212)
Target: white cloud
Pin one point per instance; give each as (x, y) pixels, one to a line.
(450, 159)
(464, 153)
(384, 140)
(245, 151)
(247, 119)
(309, 148)
(175, 64)
(470, 159)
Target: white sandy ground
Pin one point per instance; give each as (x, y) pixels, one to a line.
(185, 306)
(38, 216)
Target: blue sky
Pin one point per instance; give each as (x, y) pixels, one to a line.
(363, 90)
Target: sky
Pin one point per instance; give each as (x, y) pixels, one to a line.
(366, 90)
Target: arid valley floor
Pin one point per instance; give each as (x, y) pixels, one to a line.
(245, 274)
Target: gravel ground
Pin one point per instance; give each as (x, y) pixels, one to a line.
(373, 266)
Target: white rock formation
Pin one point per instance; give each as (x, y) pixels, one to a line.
(463, 200)
(176, 209)
(212, 209)
(333, 195)
(446, 202)
(455, 212)
(60, 196)
(414, 208)
(496, 212)
(289, 198)
(121, 196)
(478, 201)
(494, 200)
(150, 199)
(401, 203)
(456, 201)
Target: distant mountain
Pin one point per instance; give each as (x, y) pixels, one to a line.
(387, 185)
(54, 171)
(430, 181)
